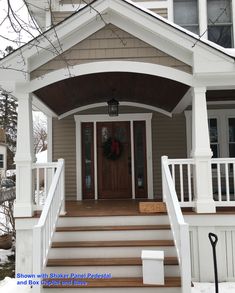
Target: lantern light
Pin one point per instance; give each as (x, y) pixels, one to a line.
(113, 107)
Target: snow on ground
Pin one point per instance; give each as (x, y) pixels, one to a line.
(4, 253)
(9, 285)
(225, 287)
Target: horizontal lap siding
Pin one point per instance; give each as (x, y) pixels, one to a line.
(160, 11)
(168, 136)
(64, 146)
(110, 43)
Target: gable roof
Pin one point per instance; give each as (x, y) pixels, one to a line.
(203, 56)
(194, 38)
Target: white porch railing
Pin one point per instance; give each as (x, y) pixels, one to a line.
(182, 176)
(42, 178)
(223, 181)
(223, 177)
(44, 230)
(179, 228)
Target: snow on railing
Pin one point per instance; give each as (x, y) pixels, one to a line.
(179, 228)
(42, 178)
(182, 176)
(44, 230)
(223, 177)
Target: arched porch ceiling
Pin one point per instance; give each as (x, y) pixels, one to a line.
(75, 92)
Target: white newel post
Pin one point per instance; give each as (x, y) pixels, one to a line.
(201, 152)
(24, 157)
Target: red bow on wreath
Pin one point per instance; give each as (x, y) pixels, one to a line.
(115, 149)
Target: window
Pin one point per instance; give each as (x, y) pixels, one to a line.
(186, 14)
(220, 22)
(214, 142)
(221, 123)
(1, 161)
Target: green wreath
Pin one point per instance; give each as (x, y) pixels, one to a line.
(112, 149)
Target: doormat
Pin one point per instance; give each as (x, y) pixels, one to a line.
(152, 207)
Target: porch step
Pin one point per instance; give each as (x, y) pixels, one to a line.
(104, 261)
(85, 245)
(117, 267)
(149, 219)
(98, 233)
(112, 228)
(112, 282)
(113, 243)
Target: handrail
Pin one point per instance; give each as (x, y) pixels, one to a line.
(179, 228)
(44, 230)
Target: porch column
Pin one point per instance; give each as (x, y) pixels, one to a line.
(201, 152)
(24, 157)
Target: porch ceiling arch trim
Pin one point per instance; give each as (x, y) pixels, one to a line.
(112, 66)
(131, 104)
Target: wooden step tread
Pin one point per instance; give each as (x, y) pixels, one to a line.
(129, 261)
(109, 283)
(113, 243)
(113, 228)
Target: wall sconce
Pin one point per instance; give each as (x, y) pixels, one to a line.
(113, 107)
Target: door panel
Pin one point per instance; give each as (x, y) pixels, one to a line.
(114, 176)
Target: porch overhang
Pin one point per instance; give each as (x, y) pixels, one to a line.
(75, 92)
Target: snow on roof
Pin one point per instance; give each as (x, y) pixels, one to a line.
(42, 157)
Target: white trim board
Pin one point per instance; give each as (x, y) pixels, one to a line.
(147, 117)
(104, 104)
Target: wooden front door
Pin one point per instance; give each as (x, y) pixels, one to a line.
(114, 160)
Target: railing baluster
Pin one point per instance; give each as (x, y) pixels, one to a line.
(227, 182)
(189, 182)
(181, 183)
(37, 187)
(173, 172)
(219, 182)
(45, 182)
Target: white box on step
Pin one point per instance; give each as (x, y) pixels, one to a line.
(153, 267)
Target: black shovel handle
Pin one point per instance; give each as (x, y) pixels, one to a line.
(214, 239)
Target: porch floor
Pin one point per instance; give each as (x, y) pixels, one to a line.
(89, 208)
(119, 207)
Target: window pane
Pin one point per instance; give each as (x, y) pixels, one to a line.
(88, 135)
(221, 35)
(185, 12)
(231, 122)
(1, 157)
(219, 11)
(140, 158)
(215, 151)
(87, 160)
(193, 29)
(231, 150)
(213, 130)
(1, 164)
